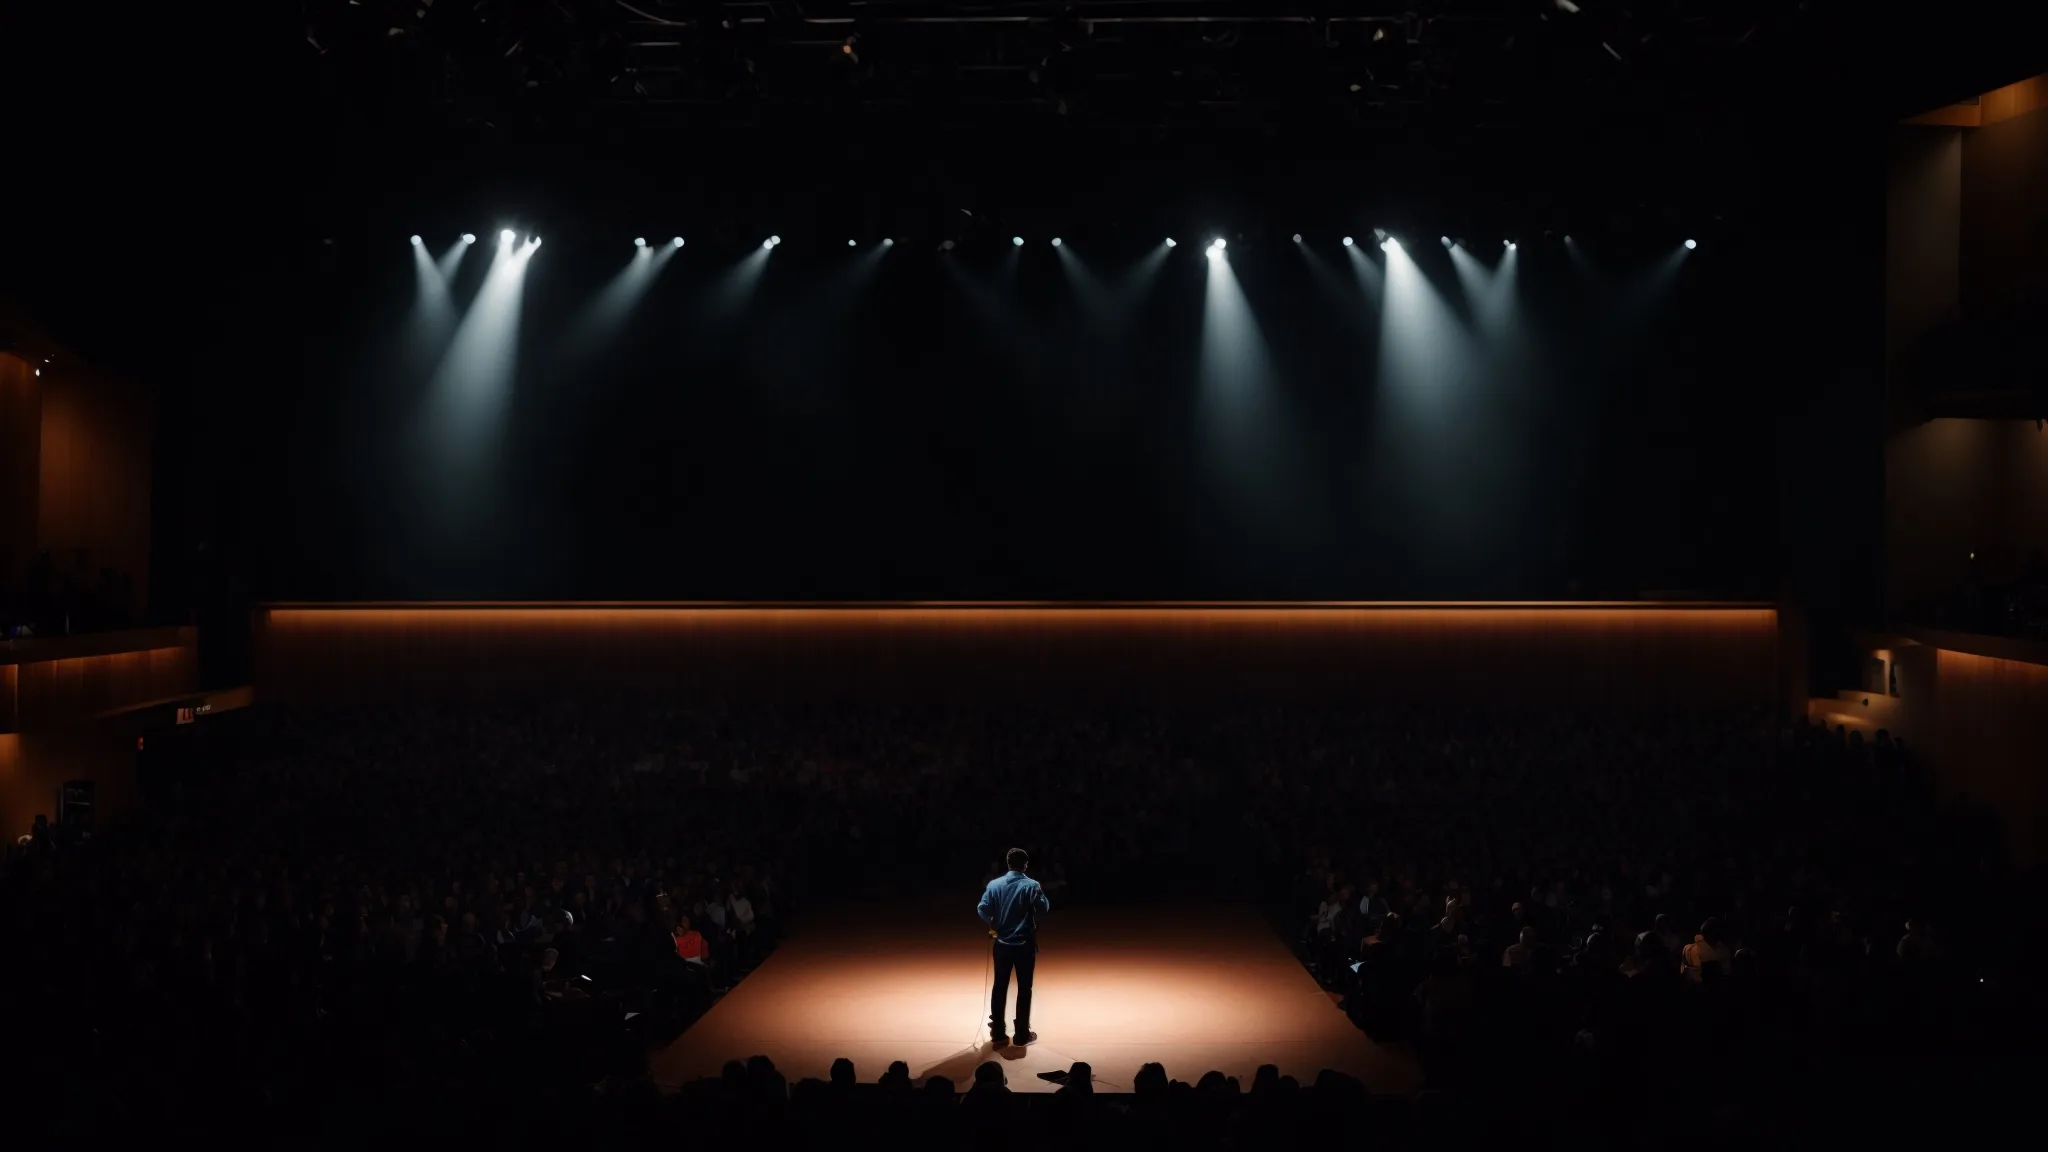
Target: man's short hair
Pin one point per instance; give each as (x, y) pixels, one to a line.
(1017, 859)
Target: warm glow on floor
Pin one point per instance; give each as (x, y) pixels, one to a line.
(1195, 989)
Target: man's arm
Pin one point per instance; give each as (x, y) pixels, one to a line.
(1039, 899)
(986, 909)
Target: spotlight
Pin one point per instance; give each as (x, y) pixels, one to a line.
(1220, 245)
(1055, 241)
(677, 242)
(1511, 245)
(773, 240)
(1389, 244)
(507, 236)
(888, 241)
(415, 241)
(1017, 241)
(1690, 245)
(767, 244)
(469, 237)
(639, 241)
(1297, 238)
(533, 241)
(1169, 242)
(1348, 242)
(946, 245)
(1446, 240)
(849, 243)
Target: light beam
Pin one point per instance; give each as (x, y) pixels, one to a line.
(605, 316)
(471, 390)
(1248, 452)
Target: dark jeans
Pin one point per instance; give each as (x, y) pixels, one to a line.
(1021, 959)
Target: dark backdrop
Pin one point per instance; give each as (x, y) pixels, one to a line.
(976, 425)
(174, 184)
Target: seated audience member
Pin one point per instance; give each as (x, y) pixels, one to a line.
(550, 982)
(1328, 912)
(689, 943)
(1372, 907)
(1917, 947)
(1646, 957)
(1708, 950)
(742, 911)
(1667, 935)
(1523, 951)
(989, 1080)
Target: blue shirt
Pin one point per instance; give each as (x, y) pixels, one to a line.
(1007, 905)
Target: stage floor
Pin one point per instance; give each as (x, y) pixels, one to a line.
(1194, 989)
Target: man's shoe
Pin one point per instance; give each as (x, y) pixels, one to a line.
(998, 1039)
(1025, 1036)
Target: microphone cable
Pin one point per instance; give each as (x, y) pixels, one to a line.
(988, 988)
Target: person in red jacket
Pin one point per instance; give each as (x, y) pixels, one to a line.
(690, 942)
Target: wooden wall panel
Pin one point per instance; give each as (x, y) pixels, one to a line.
(21, 422)
(1955, 487)
(1619, 654)
(2004, 232)
(18, 793)
(1922, 245)
(2019, 98)
(1991, 733)
(51, 693)
(33, 766)
(95, 474)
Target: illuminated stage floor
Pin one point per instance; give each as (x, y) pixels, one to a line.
(1193, 989)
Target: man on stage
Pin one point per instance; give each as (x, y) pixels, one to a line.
(1009, 906)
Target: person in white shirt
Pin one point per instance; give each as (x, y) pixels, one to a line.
(1372, 906)
(1331, 908)
(742, 911)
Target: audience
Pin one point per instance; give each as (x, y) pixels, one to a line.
(463, 922)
